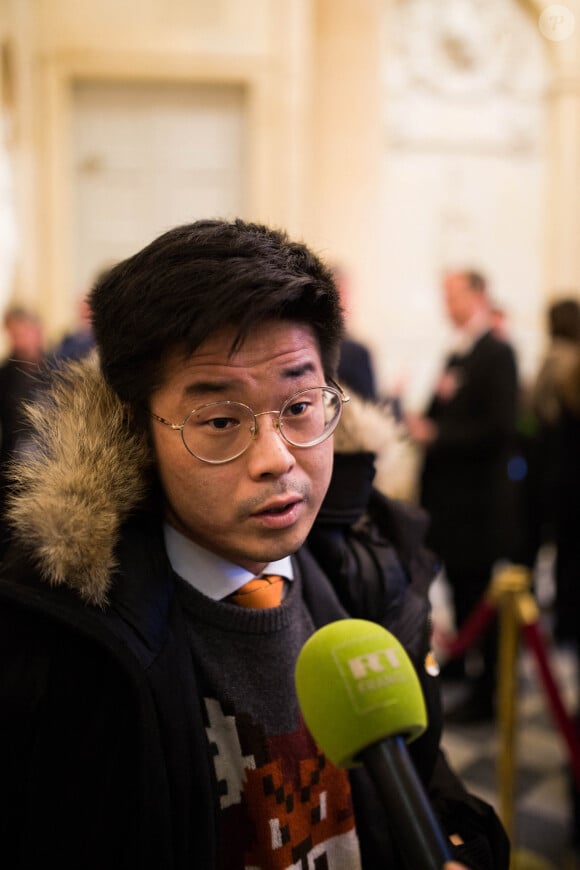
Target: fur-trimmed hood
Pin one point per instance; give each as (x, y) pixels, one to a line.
(85, 470)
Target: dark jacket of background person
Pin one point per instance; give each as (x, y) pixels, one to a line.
(75, 345)
(555, 460)
(19, 383)
(109, 644)
(355, 369)
(80, 341)
(464, 480)
(21, 376)
(355, 364)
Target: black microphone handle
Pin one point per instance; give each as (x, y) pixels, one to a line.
(422, 843)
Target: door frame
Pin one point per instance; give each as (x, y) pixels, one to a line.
(56, 193)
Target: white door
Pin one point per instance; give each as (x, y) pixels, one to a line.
(149, 156)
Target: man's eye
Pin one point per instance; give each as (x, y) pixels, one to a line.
(222, 423)
(297, 409)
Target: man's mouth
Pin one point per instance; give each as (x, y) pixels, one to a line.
(279, 515)
(276, 509)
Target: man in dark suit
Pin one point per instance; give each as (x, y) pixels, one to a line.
(466, 433)
(355, 366)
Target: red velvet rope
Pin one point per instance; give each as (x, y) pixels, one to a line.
(564, 722)
(472, 629)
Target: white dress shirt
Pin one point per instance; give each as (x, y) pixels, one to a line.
(210, 574)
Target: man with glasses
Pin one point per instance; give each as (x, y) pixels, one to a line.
(159, 588)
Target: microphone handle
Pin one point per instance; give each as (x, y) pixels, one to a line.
(415, 828)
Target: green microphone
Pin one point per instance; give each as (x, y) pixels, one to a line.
(362, 702)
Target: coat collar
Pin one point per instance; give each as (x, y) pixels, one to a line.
(84, 471)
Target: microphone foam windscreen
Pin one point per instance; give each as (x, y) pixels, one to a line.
(356, 685)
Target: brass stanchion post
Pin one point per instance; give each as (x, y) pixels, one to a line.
(506, 588)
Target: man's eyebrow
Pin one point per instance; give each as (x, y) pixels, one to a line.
(207, 388)
(299, 370)
(201, 388)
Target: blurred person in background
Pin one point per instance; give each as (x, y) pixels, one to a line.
(499, 322)
(555, 460)
(466, 434)
(81, 341)
(19, 382)
(395, 462)
(355, 366)
(554, 479)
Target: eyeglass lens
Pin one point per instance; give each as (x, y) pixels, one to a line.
(223, 430)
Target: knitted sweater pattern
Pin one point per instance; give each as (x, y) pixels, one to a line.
(282, 803)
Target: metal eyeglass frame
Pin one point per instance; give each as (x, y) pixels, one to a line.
(180, 427)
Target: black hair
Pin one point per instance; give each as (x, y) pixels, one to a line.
(195, 279)
(476, 281)
(564, 319)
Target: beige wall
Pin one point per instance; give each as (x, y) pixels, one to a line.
(311, 68)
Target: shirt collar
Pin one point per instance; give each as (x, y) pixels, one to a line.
(210, 574)
(477, 325)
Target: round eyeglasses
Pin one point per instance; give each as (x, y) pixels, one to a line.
(221, 431)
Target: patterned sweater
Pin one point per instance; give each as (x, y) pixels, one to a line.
(283, 804)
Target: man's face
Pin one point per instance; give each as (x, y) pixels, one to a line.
(460, 300)
(260, 506)
(25, 336)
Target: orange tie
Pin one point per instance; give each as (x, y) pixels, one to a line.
(261, 592)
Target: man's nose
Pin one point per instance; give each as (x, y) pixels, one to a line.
(269, 452)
